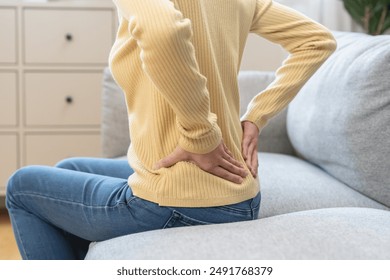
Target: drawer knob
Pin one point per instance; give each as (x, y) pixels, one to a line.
(69, 99)
(69, 37)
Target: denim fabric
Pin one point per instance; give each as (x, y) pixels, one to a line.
(57, 211)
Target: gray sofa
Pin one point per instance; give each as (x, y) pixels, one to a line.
(324, 169)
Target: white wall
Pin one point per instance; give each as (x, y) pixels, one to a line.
(262, 55)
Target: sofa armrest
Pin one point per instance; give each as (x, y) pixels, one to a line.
(115, 130)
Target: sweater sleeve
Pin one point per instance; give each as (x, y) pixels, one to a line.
(309, 44)
(168, 58)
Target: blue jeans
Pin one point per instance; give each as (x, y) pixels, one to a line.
(57, 211)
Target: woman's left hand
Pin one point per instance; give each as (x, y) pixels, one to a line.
(249, 146)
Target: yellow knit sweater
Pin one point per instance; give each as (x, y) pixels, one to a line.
(177, 63)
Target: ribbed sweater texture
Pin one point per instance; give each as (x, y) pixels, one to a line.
(177, 63)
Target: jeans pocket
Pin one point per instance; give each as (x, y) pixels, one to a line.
(244, 211)
(177, 219)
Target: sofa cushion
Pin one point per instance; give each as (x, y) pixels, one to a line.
(335, 233)
(289, 184)
(340, 120)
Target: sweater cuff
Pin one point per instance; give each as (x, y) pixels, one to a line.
(203, 143)
(259, 121)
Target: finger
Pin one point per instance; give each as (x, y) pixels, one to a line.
(229, 157)
(255, 164)
(244, 147)
(248, 162)
(240, 171)
(169, 160)
(232, 160)
(248, 144)
(164, 163)
(246, 154)
(252, 160)
(224, 174)
(226, 149)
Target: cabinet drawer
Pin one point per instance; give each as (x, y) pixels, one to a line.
(7, 35)
(8, 158)
(48, 149)
(62, 99)
(67, 36)
(8, 99)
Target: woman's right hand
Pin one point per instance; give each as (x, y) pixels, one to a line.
(219, 162)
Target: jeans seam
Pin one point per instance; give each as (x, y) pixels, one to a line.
(236, 210)
(173, 217)
(184, 217)
(130, 199)
(67, 201)
(177, 216)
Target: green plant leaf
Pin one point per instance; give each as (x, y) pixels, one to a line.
(384, 2)
(386, 24)
(357, 10)
(375, 19)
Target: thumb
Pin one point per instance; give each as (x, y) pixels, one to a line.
(169, 160)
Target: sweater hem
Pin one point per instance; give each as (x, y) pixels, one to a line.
(194, 202)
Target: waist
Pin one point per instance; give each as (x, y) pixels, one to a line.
(186, 185)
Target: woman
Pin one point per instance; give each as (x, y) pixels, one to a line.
(193, 160)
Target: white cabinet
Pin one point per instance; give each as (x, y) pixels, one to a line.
(52, 55)
(73, 97)
(59, 146)
(8, 35)
(8, 97)
(67, 36)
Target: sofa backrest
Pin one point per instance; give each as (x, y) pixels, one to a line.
(115, 131)
(340, 120)
(115, 124)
